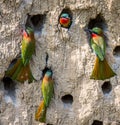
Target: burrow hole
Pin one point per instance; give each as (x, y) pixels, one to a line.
(67, 99)
(9, 84)
(9, 87)
(68, 11)
(106, 87)
(99, 21)
(36, 21)
(96, 122)
(116, 51)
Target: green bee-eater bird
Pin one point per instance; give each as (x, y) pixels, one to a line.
(47, 92)
(20, 70)
(101, 69)
(40, 114)
(47, 87)
(65, 20)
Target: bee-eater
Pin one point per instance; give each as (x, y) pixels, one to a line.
(47, 93)
(20, 70)
(101, 70)
(47, 87)
(65, 20)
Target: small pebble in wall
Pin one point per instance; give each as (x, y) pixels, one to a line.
(101, 70)
(19, 70)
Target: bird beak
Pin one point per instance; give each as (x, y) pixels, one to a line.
(88, 30)
(24, 29)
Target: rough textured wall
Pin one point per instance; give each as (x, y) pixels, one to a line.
(71, 60)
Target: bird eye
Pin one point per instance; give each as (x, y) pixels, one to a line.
(21, 30)
(95, 33)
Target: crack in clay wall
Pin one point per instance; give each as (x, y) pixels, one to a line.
(70, 57)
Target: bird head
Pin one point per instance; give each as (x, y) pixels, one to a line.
(49, 73)
(64, 15)
(27, 32)
(95, 30)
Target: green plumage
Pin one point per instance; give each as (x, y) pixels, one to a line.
(28, 46)
(40, 114)
(99, 47)
(47, 92)
(20, 70)
(47, 88)
(101, 70)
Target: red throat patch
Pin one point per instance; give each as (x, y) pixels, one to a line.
(64, 20)
(94, 35)
(25, 34)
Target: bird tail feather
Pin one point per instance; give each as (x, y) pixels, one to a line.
(40, 114)
(101, 70)
(19, 72)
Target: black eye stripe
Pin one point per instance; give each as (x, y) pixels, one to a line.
(95, 32)
(27, 32)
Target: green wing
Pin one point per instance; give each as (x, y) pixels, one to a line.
(47, 91)
(99, 47)
(28, 48)
(14, 69)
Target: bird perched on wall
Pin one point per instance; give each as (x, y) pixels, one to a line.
(101, 69)
(47, 92)
(19, 70)
(65, 20)
(47, 87)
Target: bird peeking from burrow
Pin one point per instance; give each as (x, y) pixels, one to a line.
(65, 20)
